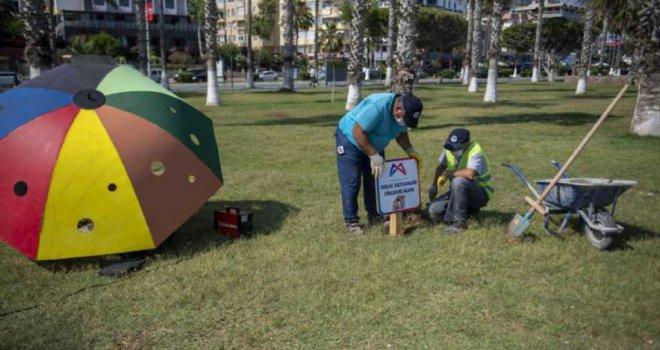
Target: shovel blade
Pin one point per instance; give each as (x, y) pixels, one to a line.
(518, 225)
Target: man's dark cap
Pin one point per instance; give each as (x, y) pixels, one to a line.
(457, 138)
(413, 107)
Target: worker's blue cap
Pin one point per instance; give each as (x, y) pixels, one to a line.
(413, 107)
(457, 138)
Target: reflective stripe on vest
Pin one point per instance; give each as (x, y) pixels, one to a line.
(483, 180)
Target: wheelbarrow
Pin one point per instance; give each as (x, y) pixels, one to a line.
(587, 197)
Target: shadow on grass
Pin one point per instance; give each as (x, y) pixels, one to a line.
(632, 233)
(320, 120)
(504, 103)
(198, 233)
(563, 119)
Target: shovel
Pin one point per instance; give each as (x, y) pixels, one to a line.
(520, 223)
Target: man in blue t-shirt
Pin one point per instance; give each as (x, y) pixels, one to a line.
(361, 137)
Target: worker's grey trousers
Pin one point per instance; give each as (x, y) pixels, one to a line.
(464, 198)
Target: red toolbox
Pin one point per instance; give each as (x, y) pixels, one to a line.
(233, 222)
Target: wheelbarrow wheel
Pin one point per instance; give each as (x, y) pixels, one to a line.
(597, 238)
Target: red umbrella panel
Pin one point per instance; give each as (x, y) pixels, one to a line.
(98, 159)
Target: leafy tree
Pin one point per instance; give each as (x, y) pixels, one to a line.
(561, 36)
(196, 12)
(265, 20)
(97, 44)
(439, 30)
(10, 23)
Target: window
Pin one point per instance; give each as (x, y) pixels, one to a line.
(124, 3)
(170, 6)
(98, 4)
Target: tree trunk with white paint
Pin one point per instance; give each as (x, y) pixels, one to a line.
(585, 55)
(391, 41)
(211, 37)
(356, 56)
(468, 43)
(250, 56)
(289, 47)
(537, 44)
(35, 25)
(494, 51)
(476, 47)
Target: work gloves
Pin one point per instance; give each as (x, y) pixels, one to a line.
(412, 153)
(433, 190)
(377, 164)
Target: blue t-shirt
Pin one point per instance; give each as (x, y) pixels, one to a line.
(374, 114)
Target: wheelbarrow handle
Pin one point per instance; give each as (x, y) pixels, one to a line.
(558, 165)
(522, 177)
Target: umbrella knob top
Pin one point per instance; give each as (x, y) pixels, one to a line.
(89, 99)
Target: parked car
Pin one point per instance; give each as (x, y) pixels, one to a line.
(196, 75)
(268, 75)
(155, 74)
(9, 80)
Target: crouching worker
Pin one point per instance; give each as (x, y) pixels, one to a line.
(361, 138)
(463, 164)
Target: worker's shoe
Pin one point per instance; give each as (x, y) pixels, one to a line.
(455, 228)
(354, 228)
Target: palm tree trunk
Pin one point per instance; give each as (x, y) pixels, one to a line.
(316, 40)
(211, 36)
(35, 25)
(619, 53)
(585, 56)
(391, 41)
(646, 120)
(468, 43)
(50, 11)
(141, 23)
(476, 47)
(494, 52)
(537, 44)
(289, 48)
(199, 41)
(356, 56)
(164, 80)
(406, 51)
(250, 58)
(603, 41)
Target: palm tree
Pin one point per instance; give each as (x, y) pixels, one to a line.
(302, 18)
(316, 39)
(646, 119)
(537, 44)
(250, 58)
(164, 81)
(494, 51)
(196, 12)
(391, 41)
(607, 15)
(476, 47)
(332, 38)
(141, 23)
(406, 51)
(289, 47)
(585, 56)
(467, 57)
(356, 58)
(211, 36)
(37, 47)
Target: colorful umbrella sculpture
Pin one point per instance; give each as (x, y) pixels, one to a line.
(97, 159)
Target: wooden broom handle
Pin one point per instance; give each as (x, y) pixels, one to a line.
(582, 145)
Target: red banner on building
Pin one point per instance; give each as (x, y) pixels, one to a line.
(150, 11)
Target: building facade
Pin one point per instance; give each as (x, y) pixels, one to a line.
(88, 17)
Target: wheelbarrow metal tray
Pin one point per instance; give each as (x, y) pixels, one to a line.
(578, 193)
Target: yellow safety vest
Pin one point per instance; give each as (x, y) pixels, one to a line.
(483, 180)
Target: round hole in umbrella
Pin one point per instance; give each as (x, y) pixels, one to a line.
(192, 179)
(157, 168)
(89, 99)
(194, 139)
(20, 188)
(173, 110)
(112, 187)
(85, 225)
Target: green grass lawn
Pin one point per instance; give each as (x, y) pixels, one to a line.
(302, 282)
